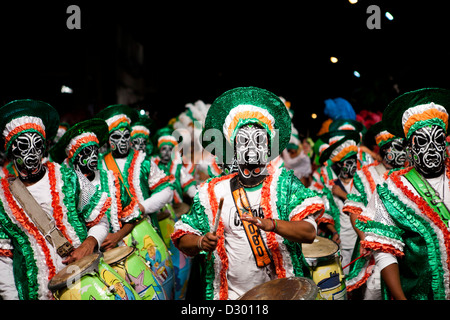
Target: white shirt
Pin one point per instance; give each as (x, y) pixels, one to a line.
(243, 274)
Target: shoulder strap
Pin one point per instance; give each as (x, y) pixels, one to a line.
(112, 165)
(259, 249)
(39, 217)
(427, 192)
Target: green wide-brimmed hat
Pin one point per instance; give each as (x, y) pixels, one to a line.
(89, 132)
(142, 127)
(416, 109)
(164, 136)
(346, 124)
(27, 115)
(118, 116)
(246, 105)
(342, 144)
(378, 134)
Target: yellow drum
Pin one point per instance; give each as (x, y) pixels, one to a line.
(293, 288)
(133, 268)
(152, 248)
(323, 258)
(181, 263)
(90, 278)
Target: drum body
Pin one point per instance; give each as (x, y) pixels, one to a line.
(324, 261)
(181, 263)
(90, 278)
(152, 248)
(293, 288)
(133, 268)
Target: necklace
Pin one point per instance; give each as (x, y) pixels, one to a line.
(250, 186)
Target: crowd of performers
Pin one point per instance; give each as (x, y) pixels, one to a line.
(225, 198)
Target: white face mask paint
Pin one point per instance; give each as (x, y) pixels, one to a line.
(165, 153)
(139, 144)
(87, 159)
(347, 168)
(27, 152)
(252, 153)
(120, 143)
(427, 148)
(394, 154)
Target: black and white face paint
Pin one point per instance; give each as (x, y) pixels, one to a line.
(427, 148)
(393, 154)
(120, 143)
(165, 153)
(27, 151)
(87, 159)
(139, 144)
(347, 167)
(252, 154)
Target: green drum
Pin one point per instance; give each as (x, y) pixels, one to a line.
(90, 278)
(181, 263)
(133, 268)
(152, 248)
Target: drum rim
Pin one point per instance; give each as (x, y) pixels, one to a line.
(329, 257)
(313, 294)
(92, 268)
(116, 260)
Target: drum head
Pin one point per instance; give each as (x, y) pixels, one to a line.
(320, 248)
(74, 270)
(161, 215)
(293, 288)
(180, 209)
(115, 255)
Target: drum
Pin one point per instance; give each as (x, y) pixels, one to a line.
(152, 248)
(323, 258)
(90, 278)
(180, 209)
(181, 262)
(293, 288)
(133, 268)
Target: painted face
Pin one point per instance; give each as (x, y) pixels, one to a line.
(394, 154)
(139, 144)
(27, 151)
(427, 148)
(120, 143)
(165, 153)
(87, 159)
(252, 152)
(347, 167)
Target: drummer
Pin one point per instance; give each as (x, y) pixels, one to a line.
(78, 149)
(268, 215)
(144, 180)
(169, 160)
(339, 160)
(28, 259)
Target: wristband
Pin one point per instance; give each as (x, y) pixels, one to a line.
(199, 243)
(274, 225)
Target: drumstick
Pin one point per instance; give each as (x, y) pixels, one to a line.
(216, 223)
(353, 261)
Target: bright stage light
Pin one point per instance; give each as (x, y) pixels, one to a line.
(66, 89)
(333, 59)
(353, 1)
(313, 115)
(356, 74)
(389, 16)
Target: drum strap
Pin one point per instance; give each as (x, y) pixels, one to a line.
(39, 217)
(427, 192)
(112, 165)
(259, 249)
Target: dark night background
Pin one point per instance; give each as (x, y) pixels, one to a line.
(160, 55)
